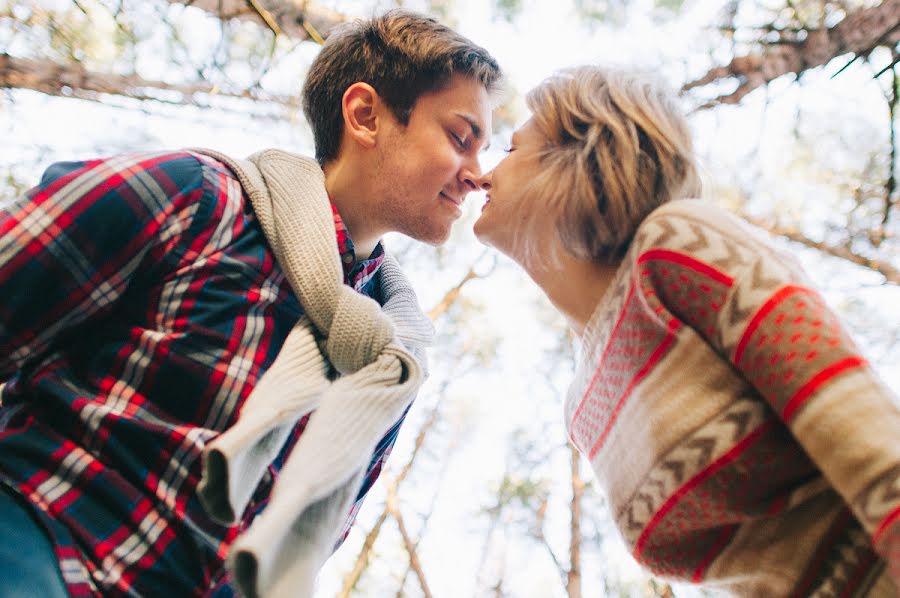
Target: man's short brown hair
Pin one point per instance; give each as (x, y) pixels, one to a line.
(403, 55)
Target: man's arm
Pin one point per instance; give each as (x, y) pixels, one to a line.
(71, 245)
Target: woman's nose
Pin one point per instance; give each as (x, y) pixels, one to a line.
(484, 181)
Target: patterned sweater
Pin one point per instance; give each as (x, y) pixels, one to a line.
(743, 440)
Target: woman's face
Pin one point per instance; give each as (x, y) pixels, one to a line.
(504, 213)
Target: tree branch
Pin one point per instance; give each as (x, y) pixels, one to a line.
(362, 560)
(265, 16)
(352, 578)
(859, 32)
(296, 19)
(451, 296)
(407, 541)
(75, 81)
(890, 273)
(427, 516)
(542, 537)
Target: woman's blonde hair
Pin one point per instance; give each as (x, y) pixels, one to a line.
(618, 146)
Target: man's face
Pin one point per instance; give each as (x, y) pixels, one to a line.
(426, 168)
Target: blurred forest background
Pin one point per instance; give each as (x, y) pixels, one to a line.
(795, 108)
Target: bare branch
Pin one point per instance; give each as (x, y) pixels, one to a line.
(453, 294)
(858, 33)
(407, 541)
(427, 516)
(296, 19)
(265, 15)
(75, 81)
(890, 273)
(362, 559)
(542, 537)
(352, 578)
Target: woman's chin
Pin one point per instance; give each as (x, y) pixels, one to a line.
(481, 230)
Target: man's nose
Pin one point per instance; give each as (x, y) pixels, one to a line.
(474, 181)
(469, 177)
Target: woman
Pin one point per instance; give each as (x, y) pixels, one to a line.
(743, 440)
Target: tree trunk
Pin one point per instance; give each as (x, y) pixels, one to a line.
(573, 581)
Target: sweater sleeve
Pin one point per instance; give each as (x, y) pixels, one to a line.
(754, 307)
(70, 246)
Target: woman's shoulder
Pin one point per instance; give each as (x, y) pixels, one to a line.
(701, 234)
(696, 211)
(696, 224)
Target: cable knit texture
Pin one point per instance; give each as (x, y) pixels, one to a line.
(379, 353)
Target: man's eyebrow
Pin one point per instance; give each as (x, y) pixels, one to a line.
(477, 131)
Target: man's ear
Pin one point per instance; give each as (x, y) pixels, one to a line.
(360, 107)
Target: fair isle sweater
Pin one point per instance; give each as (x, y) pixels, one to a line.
(743, 440)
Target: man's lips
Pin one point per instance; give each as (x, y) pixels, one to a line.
(457, 201)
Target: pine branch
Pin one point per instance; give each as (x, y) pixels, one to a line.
(859, 33)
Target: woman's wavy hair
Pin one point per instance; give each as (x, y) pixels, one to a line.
(618, 146)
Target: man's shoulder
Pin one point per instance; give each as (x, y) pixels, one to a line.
(125, 166)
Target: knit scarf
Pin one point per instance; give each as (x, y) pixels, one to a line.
(379, 352)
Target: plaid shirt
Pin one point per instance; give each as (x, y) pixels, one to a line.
(141, 304)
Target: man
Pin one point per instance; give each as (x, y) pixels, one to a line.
(144, 297)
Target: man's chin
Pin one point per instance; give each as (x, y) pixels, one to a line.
(434, 238)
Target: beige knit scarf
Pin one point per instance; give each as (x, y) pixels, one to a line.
(379, 352)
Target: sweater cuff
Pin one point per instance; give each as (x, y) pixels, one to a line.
(281, 554)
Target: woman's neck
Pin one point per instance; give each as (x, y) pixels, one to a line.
(575, 287)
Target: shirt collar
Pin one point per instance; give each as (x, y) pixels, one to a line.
(356, 274)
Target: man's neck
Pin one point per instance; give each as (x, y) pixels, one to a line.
(346, 188)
